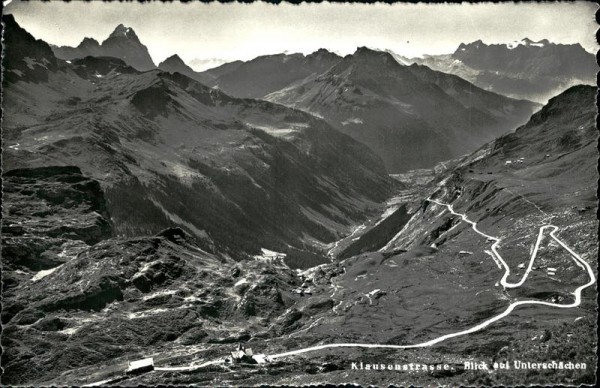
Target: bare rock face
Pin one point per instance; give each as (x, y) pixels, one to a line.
(123, 43)
(147, 292)
(69, 285)
(529, 58)
(28, 59)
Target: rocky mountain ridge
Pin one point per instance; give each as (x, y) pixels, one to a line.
(409, 116)
(174, 64)
(523, 69)
(266, 74)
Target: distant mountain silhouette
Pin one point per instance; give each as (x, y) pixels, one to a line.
(523, 69)
(266, 74)
(174, 64)
(122, 43)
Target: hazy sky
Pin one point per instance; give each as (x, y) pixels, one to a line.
(244, 31)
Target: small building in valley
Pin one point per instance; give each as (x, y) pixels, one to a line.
(246, 356)
(302, 291)
(140, 366)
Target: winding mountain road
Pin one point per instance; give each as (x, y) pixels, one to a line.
(504, 282)
(577, 293)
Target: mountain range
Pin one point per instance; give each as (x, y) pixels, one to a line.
(169, 150)
(523, 69)
(266, 74)
(411, 116)
(448, 116)
(74, 292)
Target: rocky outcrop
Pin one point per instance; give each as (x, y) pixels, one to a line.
(24, 57)
(92, 67)
(147, 292)
(49, 213)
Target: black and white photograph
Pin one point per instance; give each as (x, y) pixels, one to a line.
(298, 194)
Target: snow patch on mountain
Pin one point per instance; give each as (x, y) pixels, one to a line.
(524, 42)
(353, 120)
(278, 132)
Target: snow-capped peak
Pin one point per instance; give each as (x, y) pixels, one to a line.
(527, 43)
(122, 31)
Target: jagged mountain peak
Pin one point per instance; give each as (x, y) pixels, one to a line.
(123, 32)
(122, 43)
(529, 58)
(173, 60)
(364, 50)
(322, 53)
(367, 61)
(525, 42)
(88, 42)
(366, 53)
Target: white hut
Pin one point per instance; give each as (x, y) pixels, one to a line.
(140, 366)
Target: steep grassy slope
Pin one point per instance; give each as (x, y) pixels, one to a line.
(436, 275)
(170, 151)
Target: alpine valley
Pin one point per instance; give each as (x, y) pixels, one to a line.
(321, 210)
